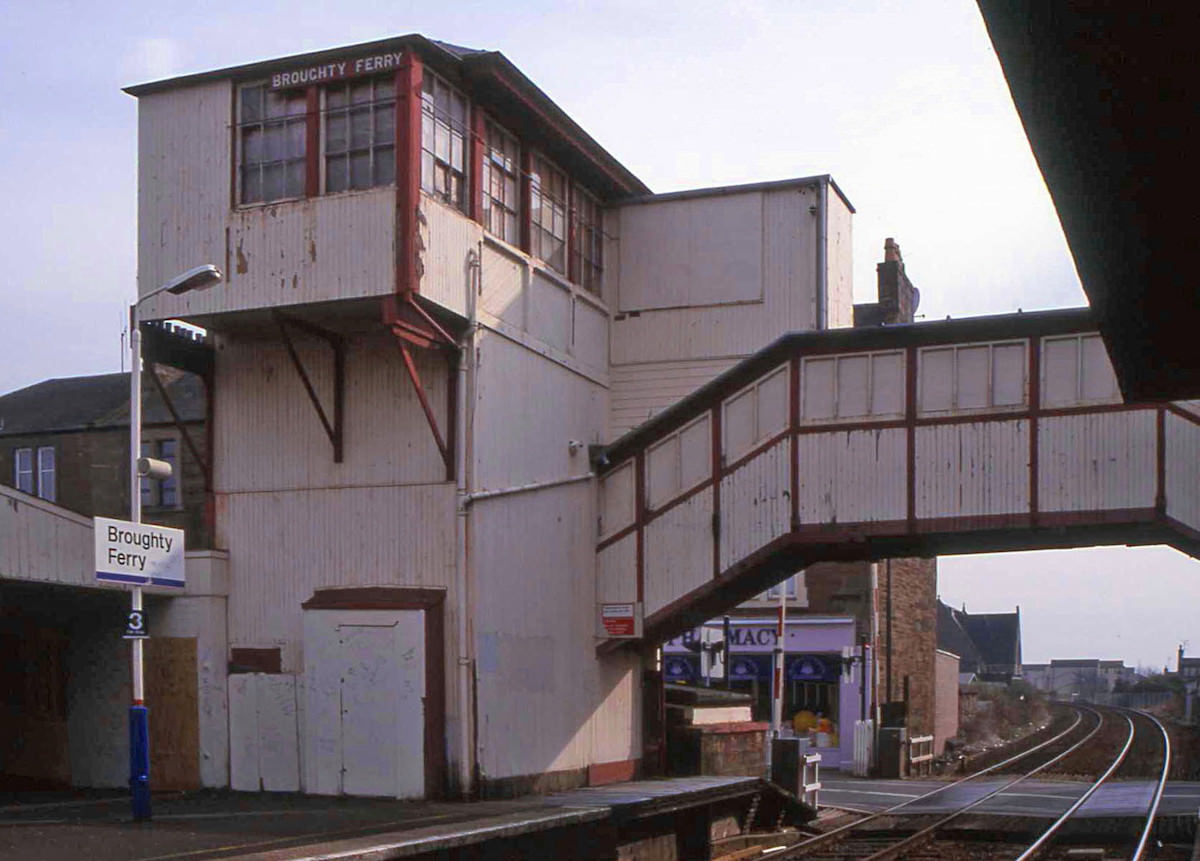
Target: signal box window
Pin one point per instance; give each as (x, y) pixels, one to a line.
(443, 141)
(501, 198)
(360, 134)
(588, 265)
(548, 214)
(271, 148)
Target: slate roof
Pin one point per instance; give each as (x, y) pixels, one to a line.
(102, 401)
(987, 643)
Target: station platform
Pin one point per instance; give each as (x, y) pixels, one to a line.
(1032, 797)
(271, 827)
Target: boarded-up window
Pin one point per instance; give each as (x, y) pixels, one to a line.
(971, 377)
(857, 386)
(1076, 370)
(755, 413)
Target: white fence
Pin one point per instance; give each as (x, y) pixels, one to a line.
(864, 743)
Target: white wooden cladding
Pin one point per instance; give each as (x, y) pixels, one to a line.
(679, 462)
(755, 414)
(1183, 470)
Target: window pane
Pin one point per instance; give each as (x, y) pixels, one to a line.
(427, 170)
(252, 103)
(335, 97)
(272, 181)
(335, 173)
(384, 88)
(360, 93)
(385, 165)
(169, 451)
(252, 145)
(295, 179)
(360, 128)
(335, 133)
(274, 143)
(23, 469)
(360, 170)
(296, 135)
(251, 185)
(385, 124)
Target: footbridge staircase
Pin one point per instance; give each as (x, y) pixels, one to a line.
(959, 436)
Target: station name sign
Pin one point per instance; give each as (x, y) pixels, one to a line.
(138, 553)
(336, 70)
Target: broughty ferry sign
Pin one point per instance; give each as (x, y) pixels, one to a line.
(336, 70)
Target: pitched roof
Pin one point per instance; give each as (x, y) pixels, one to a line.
(986, 642)
(101, 401)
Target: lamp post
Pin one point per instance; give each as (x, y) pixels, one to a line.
(198, 278)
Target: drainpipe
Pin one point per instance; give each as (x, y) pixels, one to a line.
(822, 240)
(462, 561)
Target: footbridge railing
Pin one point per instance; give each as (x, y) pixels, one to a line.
(957, 436)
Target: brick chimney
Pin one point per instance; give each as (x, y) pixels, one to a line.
(898, 298)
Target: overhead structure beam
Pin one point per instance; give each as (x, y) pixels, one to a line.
(333, 429)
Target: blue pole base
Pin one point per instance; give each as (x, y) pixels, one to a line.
(139, 761)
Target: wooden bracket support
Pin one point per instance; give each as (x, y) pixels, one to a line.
(333, 429)
(205, 463)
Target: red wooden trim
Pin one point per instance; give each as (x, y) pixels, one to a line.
(1035, 403)
(1160, 477)
(408, 172)
(475, 166)
(312, 141)
(572, 240)
(718, 458)
(603, 773)
(411, 367)
(910, 414)
(1183, 414)
(526, 231)
(639, 516)
(794, 422)
(624, 532)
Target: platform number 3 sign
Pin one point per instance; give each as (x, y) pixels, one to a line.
(135, 625)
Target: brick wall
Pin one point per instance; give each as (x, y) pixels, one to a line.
(914, 637)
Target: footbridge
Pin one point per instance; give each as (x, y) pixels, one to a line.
(959, 436)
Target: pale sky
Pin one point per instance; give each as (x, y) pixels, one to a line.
(903, 103)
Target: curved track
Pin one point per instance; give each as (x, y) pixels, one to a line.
(894, 833)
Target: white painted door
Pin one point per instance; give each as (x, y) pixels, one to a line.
(382, 686)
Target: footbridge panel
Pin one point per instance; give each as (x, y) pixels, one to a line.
(972, 435)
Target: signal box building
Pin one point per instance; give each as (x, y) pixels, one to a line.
(440, 294)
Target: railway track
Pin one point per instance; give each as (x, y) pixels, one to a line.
(1103, 742)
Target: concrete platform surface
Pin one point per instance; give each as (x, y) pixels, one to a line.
(275, 827)
(1032, 797)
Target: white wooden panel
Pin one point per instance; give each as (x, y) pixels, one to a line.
(502, 279)
(695, 450)
(1096, 462)
(617, 499)
(616, 572)
(701, 251)
(1099, 383)
(591, 335)
(773, 404)
(662, 471)
(527, 410)
(449, 239)
(972, 469)
(244, 775)
(387, 439)
(1008, 374)
(935, 388)
(41, 542)
(278, 730)
(818, 382)
(755, 503)
(679, 551)
(1183, 470)
(640, 391)
(839, 259)
(853, 476)
(739, 414)
(853, 386)
(549, 312)
(973, 377)
(1060, 371)
(887, 384)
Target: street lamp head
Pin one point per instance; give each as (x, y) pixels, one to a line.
(199, 278)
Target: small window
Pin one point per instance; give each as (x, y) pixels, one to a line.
(165, 493)
(443, 142)
(548, 214)
(23, 478)
(589, 241)
(501, 189)
(271, 144)
(46, 478)
(360, 134)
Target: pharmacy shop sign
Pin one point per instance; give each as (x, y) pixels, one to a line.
(138, 553)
